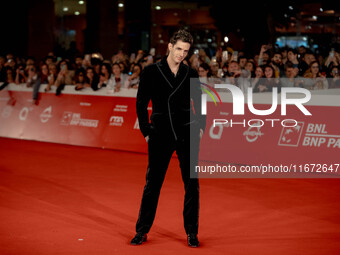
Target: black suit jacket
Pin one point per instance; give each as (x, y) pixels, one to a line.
(176, 102)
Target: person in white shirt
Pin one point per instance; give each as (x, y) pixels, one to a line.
(117, 79)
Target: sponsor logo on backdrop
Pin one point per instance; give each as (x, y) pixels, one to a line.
(85, 104)
(75, 119)
(66, 119)
(116, 121)
(253, 133)
(136, 126)
(120, 108)
(215, 131)
(46, 114)
(317, 136)
(7, 112)
(24, 113)
(290, 136)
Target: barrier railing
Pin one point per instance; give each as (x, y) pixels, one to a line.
(104, 120)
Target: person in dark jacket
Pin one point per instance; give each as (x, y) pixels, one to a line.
(176, 125)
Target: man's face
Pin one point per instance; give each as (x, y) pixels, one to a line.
(277, 59)
(291, 56)
(243, 62)
(309, 58)
(178, 51)
(116, 70)
(79, 61)
(233, 67)
(290, 72)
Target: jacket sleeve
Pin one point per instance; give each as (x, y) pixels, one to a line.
(143, 99)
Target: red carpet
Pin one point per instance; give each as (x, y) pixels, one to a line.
(59, 199)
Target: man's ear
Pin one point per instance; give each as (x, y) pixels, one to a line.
(170, 46)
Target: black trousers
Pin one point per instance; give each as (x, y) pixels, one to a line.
(161, 148)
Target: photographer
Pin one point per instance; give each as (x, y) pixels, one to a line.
(20, 76)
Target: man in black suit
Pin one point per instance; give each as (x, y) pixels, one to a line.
(176, 125)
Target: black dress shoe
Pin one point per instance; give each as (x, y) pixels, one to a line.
(139, 239)
(193, 241)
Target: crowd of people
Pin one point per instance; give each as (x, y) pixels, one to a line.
(271, 67)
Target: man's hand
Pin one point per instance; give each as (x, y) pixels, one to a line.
(147, 139)
(201, 133)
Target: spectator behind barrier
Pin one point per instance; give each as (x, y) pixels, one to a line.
(53, 73)
(79, 79)
(33, 81)
(276, 63)
(250, 67)
(291, 77)
(259, 74)
(292, 56)
(44, 73)
(204, 73)
(21, 74)
(269, 82)
(117, 79)
(105, 74)
(335, 78)
(91, 79)
(315, 80)
(306, 59)
(64, 77)
(133, 79)
(2, 69)
(9, 77)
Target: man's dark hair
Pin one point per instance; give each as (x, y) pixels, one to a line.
(277, 53)
(292, 50)
(182, 35)
(288, 65)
